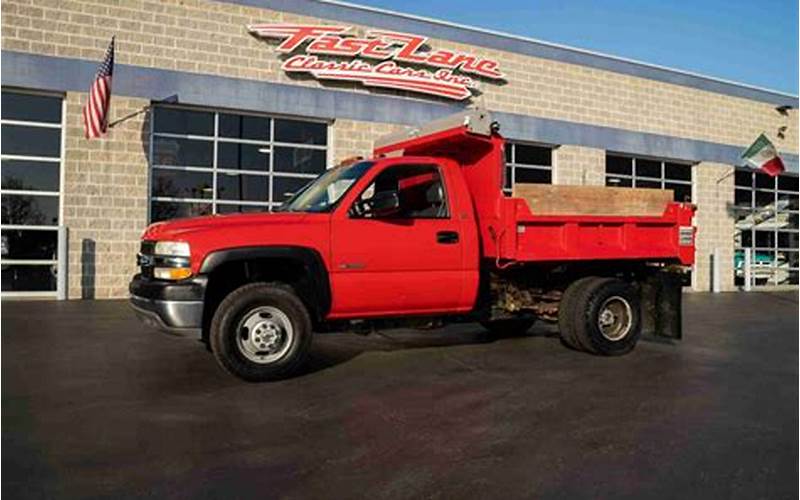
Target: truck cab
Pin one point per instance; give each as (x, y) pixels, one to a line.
(422, 229)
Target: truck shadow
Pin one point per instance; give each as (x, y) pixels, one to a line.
(333, 349)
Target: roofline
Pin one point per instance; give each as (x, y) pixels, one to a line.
(579, 50)
(445, 30)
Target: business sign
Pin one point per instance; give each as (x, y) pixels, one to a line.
(380, 59)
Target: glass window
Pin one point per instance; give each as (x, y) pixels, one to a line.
(648, 168)
(29, 278)
(29, 175)
(227, 157)
(520, 158)
(300, 132)
(532, 175)
(648, 173)
(28, 244)
(31, 107)
(182, 184)
(532, 155)
(766, 223)
(30, 190)
(31, 141)
(30, 210)
(183, 121)
(419, 190)
(619, 165)
(677, 171)
(299, 160)
(183, 152)
(238, 156)
(242, 187)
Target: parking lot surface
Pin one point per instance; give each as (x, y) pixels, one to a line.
(96, 405)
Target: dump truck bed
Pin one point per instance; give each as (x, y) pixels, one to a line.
(533, 237)
(548, 223)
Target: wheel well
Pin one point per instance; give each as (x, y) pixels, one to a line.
(231, 275)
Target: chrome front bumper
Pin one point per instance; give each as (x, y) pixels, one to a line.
(172, 307)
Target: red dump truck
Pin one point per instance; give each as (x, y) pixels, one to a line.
(421, 232)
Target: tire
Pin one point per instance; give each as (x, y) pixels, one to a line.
(508, 327)
(260, 332)
(607, 317)
(567, 312)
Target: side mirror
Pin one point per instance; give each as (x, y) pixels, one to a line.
(382, 204)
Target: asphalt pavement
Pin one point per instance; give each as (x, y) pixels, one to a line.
(96, 405)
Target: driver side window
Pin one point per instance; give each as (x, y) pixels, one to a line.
(404, 192)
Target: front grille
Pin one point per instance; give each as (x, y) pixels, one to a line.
(145, 259)
(147, 247)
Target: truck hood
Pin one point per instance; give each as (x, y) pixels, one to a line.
(181, 229)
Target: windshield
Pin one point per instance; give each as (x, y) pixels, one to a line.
(322, 194)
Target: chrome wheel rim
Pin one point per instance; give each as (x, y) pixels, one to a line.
(615, 318)
(264, 335)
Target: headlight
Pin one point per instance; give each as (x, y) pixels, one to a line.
(172, 260)
(172, 248)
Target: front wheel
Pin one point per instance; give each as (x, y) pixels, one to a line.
(261, 331)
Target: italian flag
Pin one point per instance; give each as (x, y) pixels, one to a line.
(763, 156)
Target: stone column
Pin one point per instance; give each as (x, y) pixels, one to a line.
(713, 195)
(105, 198)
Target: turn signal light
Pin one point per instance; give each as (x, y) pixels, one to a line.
(172, 273)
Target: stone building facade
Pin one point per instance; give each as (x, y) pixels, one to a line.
(185, 69)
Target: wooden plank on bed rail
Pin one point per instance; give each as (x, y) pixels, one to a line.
(545, 199)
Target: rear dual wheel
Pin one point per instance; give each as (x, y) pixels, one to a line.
(601, 316)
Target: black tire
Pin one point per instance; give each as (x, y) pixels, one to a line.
(567, 312)
(510, 327)
(268, 308)
(624, 325)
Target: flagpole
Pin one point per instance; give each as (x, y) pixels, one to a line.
(129, 116)
(173, 99)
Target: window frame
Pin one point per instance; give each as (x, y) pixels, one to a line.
(775, 249)
(445, 196)
(662, 179)
(513, 164)
(215, 170)
(59, 162)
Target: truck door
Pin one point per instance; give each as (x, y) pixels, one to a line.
(396, 249)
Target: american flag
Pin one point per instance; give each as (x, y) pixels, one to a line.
(95, 112)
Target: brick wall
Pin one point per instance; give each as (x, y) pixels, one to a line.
(579, 166)
(210, 37)
(355, 138)
(105, 199)
(713, 195)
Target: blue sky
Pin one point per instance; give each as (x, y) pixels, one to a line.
(753, 42)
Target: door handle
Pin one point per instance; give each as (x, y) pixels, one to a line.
(447, 237)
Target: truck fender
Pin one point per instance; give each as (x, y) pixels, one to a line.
(311, 260)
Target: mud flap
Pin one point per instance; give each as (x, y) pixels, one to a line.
(662, 295)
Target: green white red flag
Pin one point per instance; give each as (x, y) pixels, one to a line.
(763, 156)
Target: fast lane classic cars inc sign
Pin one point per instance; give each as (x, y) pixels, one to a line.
(379, 59)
